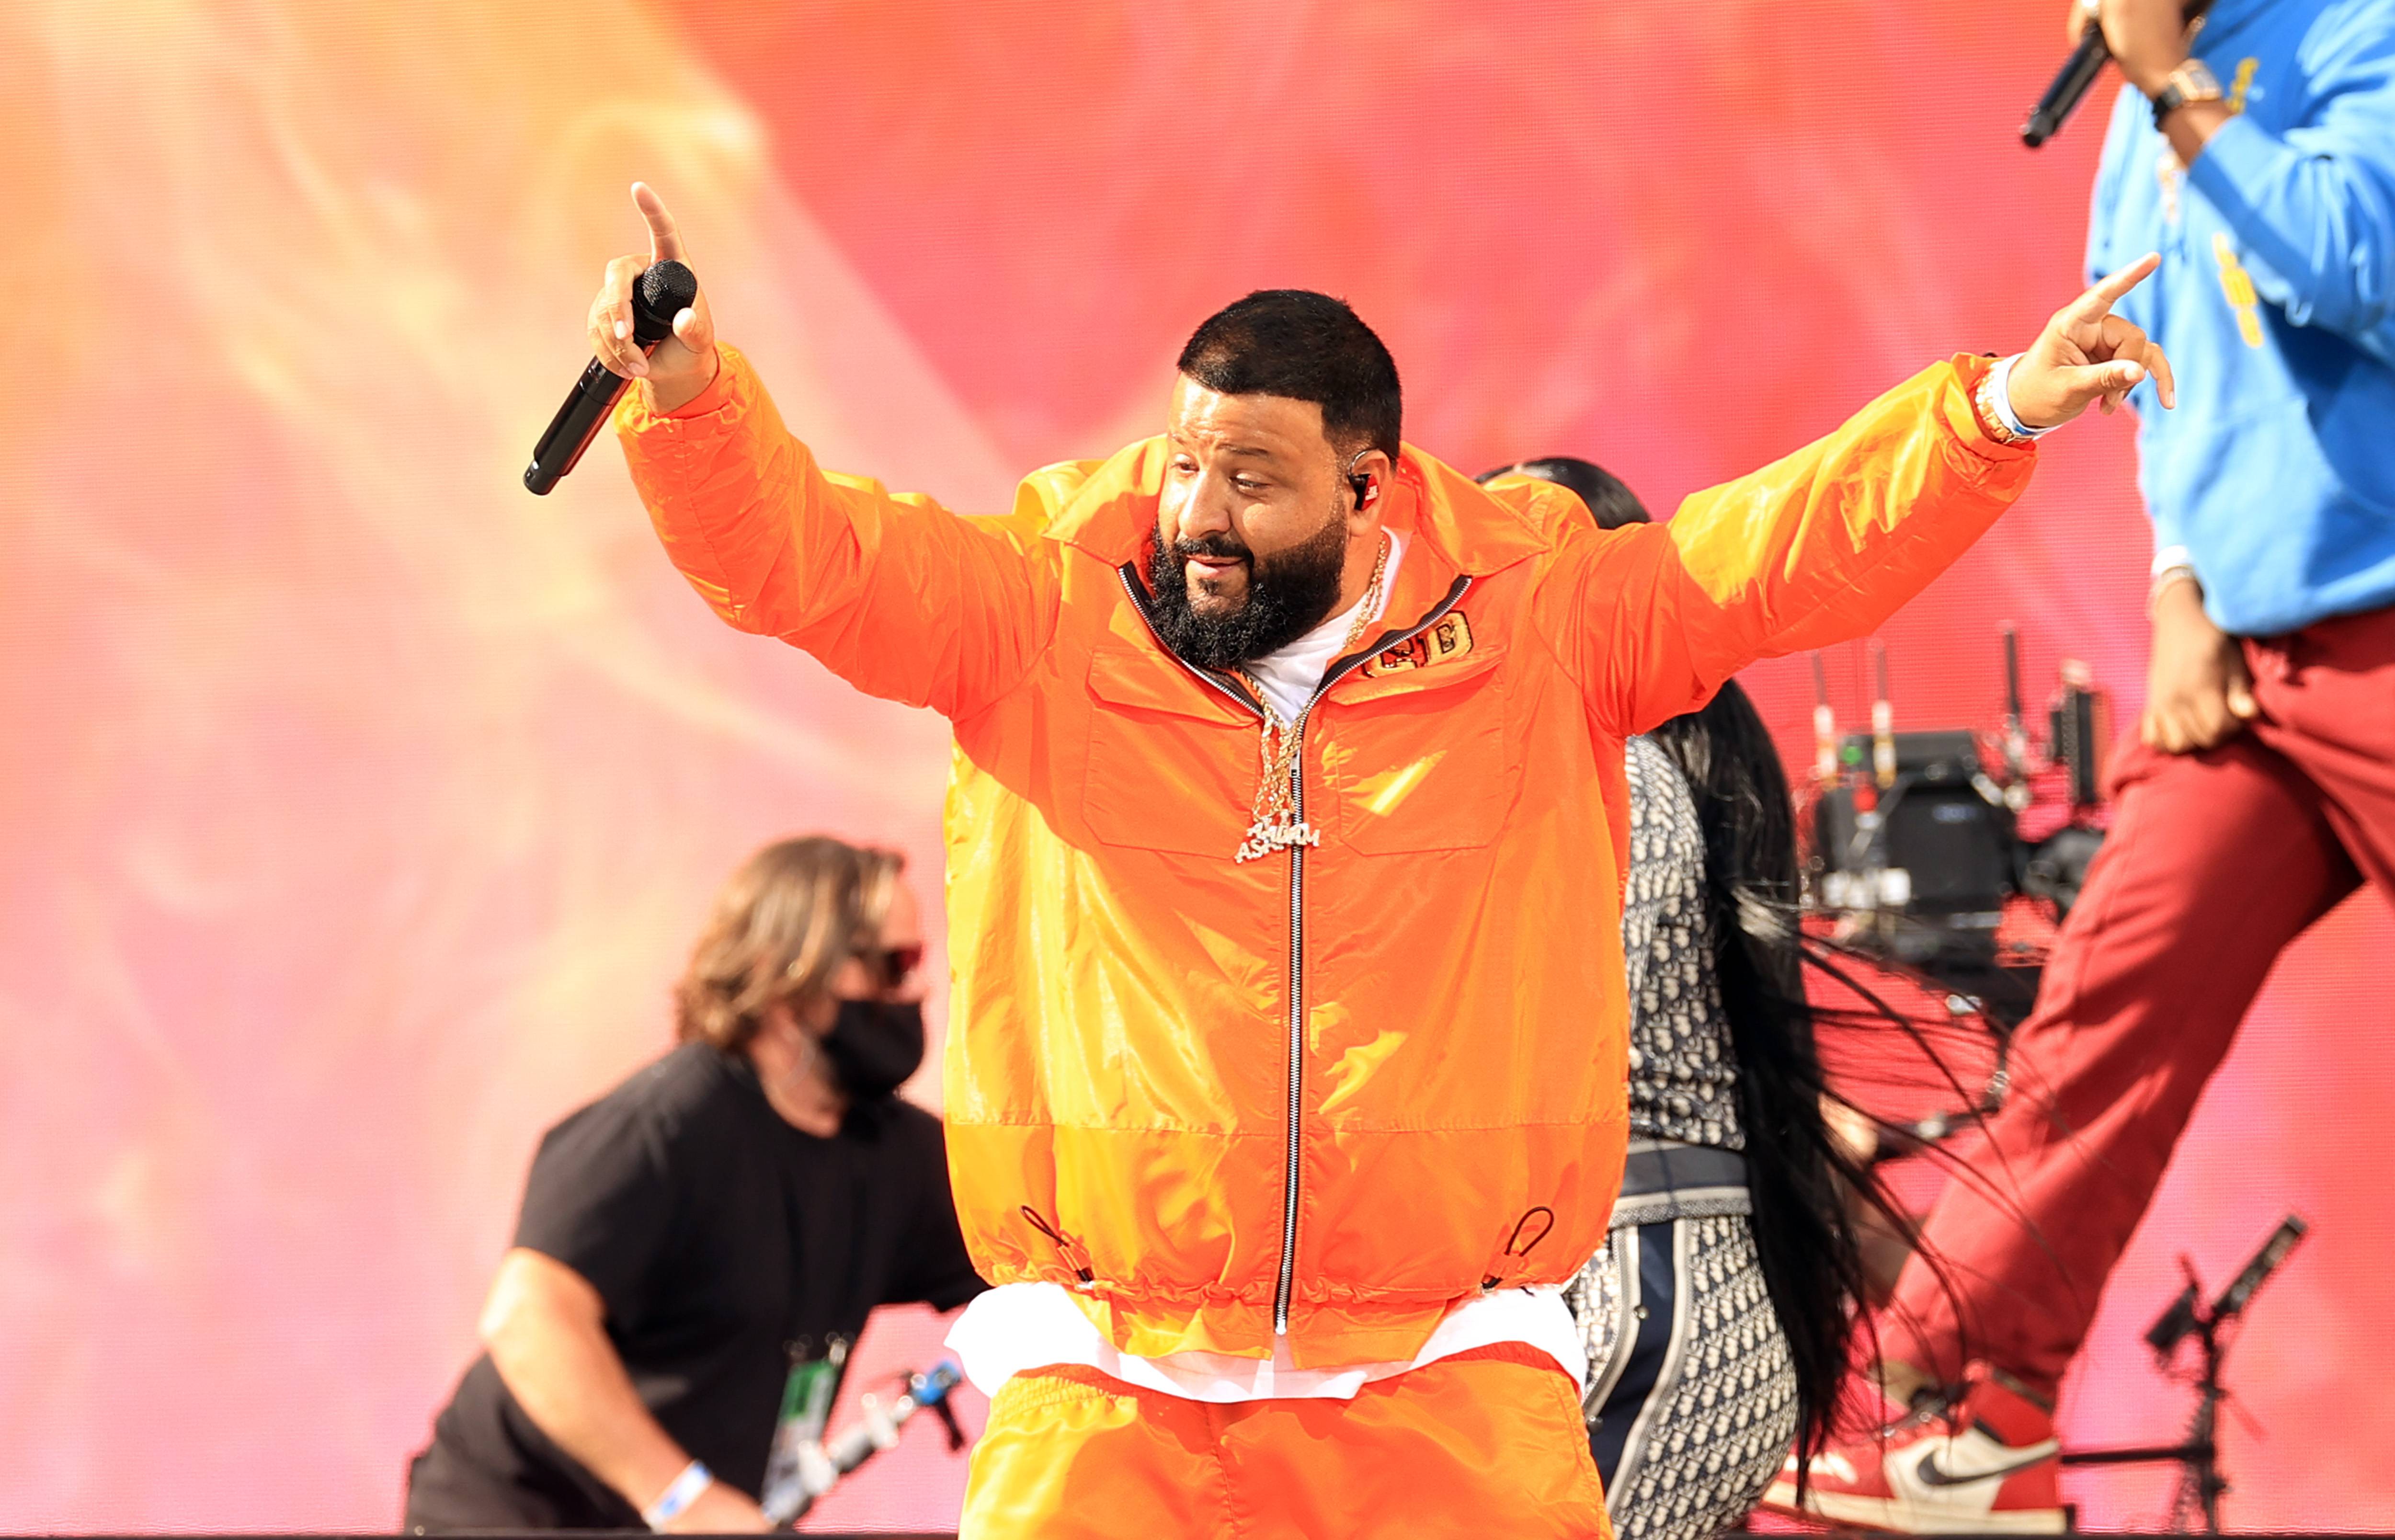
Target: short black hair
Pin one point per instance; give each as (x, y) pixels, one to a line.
(1612, 503)
(1308, 347)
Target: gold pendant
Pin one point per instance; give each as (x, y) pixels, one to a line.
(1266, 835)
(1276, 825)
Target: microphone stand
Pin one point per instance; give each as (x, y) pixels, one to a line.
(2201, 1484)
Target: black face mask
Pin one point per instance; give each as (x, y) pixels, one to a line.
(874, 1045)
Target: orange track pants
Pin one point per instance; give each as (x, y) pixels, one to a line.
(1487, 1442)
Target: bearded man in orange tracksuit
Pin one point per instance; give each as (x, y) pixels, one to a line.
(1286, 1055)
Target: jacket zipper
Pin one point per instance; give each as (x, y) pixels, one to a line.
(1339, 669)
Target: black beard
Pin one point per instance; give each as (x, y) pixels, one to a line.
(1289, 594)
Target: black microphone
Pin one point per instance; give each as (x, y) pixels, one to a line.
(2062, 99)
(2078, 73)
(662, 292)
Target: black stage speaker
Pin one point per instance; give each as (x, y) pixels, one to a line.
(1942, 823)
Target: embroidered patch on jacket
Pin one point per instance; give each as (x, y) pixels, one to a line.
(2237, 287)
(2244, 86)
(1443, 641)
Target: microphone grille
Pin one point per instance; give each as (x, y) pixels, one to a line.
(665, 289)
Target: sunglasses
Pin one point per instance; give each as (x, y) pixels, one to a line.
(891, 966)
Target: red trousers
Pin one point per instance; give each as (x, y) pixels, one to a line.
(2215, 862)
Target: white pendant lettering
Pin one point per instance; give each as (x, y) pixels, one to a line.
(1283, 834)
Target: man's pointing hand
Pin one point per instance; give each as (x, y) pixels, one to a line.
(685, 363)
(2087, 355)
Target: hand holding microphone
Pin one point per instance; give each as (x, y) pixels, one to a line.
(684, 364)
(2071, 83)
(2147, 38)
(650, 322)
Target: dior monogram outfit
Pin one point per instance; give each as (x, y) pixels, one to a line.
(1691, 1404)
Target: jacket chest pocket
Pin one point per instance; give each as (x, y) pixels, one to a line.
(1172, 764)
(1421, 763)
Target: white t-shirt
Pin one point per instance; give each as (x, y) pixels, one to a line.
(1018, 1327)
(1288, 677)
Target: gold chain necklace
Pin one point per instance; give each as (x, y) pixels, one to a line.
(1274, 824)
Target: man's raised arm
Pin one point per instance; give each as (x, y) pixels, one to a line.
(893, 593)
(1826, 544)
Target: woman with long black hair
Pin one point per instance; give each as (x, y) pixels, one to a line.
(1720, 1312)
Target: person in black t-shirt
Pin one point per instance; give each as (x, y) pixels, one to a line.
(738, 1204)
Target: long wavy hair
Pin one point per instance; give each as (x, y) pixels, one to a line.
(1800, 1174)
(782, 925)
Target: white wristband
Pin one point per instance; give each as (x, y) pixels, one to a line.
(676, 1499)
(1999, 396)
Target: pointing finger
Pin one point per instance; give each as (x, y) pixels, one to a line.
(665, 239)
(2099, 300)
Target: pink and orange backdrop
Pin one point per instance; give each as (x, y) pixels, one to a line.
(357, 806)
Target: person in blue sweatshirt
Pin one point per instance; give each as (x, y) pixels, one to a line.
(2255, 150)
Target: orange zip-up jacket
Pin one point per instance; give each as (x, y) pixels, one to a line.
(1337, 1090)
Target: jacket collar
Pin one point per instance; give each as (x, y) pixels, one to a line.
(1455, 524)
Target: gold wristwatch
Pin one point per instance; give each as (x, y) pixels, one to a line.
(1995, 421)
(2191, 82)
